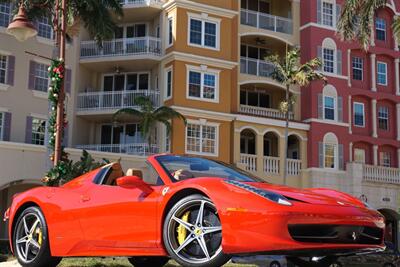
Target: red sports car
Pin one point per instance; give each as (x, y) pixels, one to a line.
(196, 211)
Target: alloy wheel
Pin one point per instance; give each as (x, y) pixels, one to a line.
(29, 237)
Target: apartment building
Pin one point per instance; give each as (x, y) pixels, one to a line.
(205, 59)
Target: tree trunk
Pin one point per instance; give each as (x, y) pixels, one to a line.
(286, 136)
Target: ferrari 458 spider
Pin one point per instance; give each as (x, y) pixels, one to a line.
(196, 211)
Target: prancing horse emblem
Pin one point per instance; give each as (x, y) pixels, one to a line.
(354, 236)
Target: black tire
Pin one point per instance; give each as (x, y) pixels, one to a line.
(388, 265)
(274, 264)
(31, 225)
(148, 261)
(200, 242)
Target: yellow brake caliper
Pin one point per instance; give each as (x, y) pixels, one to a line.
(182, 232)
(39, 235)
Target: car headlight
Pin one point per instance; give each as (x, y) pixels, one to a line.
(272, 196)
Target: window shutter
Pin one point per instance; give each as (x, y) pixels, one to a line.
(321, 154)
(338, 13)
(68, 77)
(7, 126)
(319, 11)
(341, 159)
(32, 68)
(320, 106)
(28, 130)
(339, 62)
(10, 70)
(320, 56)
(340, 108)
(65, 138)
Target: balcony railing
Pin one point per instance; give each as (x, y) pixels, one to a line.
(249, 161)
(256, 67)
(271, 165)
(264, 112)
(293, 167)
(266, 21)
(139, 3)
(104, 100)
(137, 149)
(381, 174)
(122, 47)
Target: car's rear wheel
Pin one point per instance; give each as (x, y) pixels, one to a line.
(148, 261)
(193, 233)
(30, 240)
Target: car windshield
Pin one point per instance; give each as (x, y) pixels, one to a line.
(181, 168)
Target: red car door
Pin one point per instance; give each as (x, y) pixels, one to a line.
(118, 217)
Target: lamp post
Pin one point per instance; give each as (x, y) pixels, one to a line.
(22, 29)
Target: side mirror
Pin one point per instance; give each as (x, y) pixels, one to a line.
(131, 182)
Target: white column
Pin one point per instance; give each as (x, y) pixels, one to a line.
(397, 70)
(350, 115)
(375, 147)
(398, 158)
(398, 121)
(374, 128)
(351, 152)
(373, 72)
(349, 67)
(396, 42)
(373, 34)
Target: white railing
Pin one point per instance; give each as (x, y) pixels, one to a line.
(106, 100)
(139, 3)
(266, 21)
(256, 67)
(121, 47)
(293, 167)
(381, 174)
(138, 149)
(271, 165)
(265, 112)
(249, 161)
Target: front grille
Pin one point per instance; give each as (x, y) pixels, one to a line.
(336, 234)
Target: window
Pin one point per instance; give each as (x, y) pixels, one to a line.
(120, 134)
(327, 14)
(41, 77)
(359, 155)
(255, 99)
(330, 156)
(382, 73)
(201, 139)
(380, 26)
(3, 68)
(358, 109)
(202, 85)
(1, 125)
(170, 32)
(38, 131)
(383, 118)
(5, 14)
(204, 33)
(384, 159)
(168, 85)
(329, 108)
(329, 60)
(357, 68)
(44, 27)
(128, 82)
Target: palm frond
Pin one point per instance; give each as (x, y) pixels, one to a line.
(128, 111)
(167, 113)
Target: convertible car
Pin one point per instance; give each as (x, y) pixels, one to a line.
(196, 211)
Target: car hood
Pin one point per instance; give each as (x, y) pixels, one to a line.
(312, 196)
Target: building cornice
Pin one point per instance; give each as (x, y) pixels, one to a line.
(206, 114)
(23, 146)
(336, 123)
(225, 64)
(273, 122)
(209, 9)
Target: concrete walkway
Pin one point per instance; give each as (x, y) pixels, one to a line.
(10, 264)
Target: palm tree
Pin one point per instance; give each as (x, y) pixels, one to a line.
(357, 20)
(87, 11)
(149, 116)
(289, 72)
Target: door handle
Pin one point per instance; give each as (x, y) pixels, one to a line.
(85, 198)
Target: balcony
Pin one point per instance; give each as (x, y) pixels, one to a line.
(271, 165)
(137, 149)
(379, 174)
(266, 21)
(264, 112)
(126, 47)
(256, 67)
(140, 3)
(110, 101)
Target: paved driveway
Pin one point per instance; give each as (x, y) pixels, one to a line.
(10, 264)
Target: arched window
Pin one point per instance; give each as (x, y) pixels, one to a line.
(330, 105)
(331, 57)
(331, 153)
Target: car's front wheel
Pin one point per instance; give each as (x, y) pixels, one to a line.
(193, 233)
(30, 240)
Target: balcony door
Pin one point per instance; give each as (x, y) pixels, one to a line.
(255, 99)
(124, 138)
(263, 6)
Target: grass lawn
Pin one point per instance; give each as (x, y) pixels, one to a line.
(117, 262)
